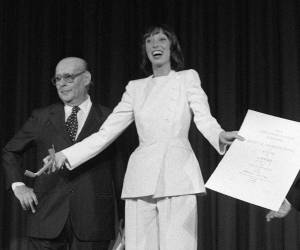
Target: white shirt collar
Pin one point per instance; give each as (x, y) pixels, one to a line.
(84, 107)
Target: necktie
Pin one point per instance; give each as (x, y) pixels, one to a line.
(72, 123)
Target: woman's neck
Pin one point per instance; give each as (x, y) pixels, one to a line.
(161, 71)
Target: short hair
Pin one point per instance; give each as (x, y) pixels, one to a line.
(85, 67)
(177, 59)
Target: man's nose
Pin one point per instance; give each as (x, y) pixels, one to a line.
(61, 82)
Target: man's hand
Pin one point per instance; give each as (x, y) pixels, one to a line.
(284, 209)
(57, 164)
(227, 138)
(27, 197)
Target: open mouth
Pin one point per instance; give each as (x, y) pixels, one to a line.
(157, 53)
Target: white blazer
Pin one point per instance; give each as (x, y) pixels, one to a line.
(163, 164)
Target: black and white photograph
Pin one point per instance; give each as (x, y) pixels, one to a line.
(150, 125)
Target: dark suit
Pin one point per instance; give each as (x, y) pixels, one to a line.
(293, 195)
(85, 195)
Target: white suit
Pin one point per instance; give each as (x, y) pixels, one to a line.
(164, 164)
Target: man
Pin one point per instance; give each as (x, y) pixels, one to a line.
(67, 209)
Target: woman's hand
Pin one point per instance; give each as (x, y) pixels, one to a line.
(57, 163)
(227, 138)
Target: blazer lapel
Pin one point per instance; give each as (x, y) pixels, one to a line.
(57, 117)
(92, 124)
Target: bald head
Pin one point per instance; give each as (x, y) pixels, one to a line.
(74, 62)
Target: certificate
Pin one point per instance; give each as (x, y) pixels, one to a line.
(261, 169)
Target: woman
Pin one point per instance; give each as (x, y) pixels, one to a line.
(163, 175)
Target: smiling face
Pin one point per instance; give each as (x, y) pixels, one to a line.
(73, 93)
(158, 49)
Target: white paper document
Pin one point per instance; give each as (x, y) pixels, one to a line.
(261, 169)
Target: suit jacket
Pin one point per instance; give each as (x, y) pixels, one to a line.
(293, 195)
(84, 195)
(164, 163)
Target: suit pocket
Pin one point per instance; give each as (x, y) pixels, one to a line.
(104, 196)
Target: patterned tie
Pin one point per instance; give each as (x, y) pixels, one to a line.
(72, 123)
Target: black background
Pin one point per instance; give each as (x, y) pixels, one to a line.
(247, 55)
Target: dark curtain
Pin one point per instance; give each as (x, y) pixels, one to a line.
(246, 53)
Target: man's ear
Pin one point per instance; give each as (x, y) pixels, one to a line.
(87, 77)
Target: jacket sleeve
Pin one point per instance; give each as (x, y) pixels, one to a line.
(13, 151)
(293, 195)
(121, 117)
(203, 119)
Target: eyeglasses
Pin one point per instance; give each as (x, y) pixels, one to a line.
(68, 78)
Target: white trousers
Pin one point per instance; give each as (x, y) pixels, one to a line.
(161, 224)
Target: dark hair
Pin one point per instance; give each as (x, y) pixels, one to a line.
(177, 60)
